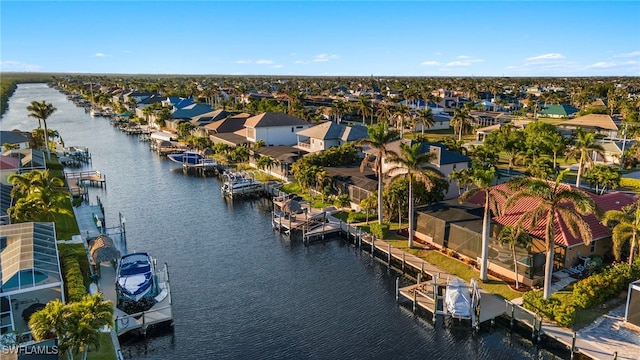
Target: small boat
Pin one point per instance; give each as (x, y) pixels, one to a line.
(135, 278)
(239, 184)
(192, 159)
(458, 299)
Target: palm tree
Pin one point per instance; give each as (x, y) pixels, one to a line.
(462, 177)
(461, 122)
(425, 118)
(583, 148)
(38, 196)
(42, 111)
(402, 113)
(483, 179)
(340, 107)
(385, 112)
(379, 137)
(265, 162)
(364, 106)
(557, 144)
(513, 236)
(557, 202)
(90, 315)
(626, 228)
(413, 159)
(51, 322)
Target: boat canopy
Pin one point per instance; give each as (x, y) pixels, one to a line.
(163, 136)
(458, 299)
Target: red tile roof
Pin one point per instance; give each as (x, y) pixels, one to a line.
(611, 201)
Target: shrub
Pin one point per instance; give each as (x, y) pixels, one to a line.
(599, 288)
(379, 230)
(565, 315)
(630, 183)
(356, 217)
(73, 279)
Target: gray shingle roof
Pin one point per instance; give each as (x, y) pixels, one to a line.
(269, 119)
(10, 137)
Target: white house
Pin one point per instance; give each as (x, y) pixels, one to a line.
(440, 122)
(329, 134)
(274, 128)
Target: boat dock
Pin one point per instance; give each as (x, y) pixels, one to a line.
(161, 312)
(104, 274)
(77, 181)
(429, 291)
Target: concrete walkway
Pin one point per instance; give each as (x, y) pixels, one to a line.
(85, 216)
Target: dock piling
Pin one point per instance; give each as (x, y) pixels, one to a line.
(389, 255)
(397, 288)
(573, 345)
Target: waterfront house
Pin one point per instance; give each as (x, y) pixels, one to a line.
(350, 180)
(329, 134)
(230, 131)
(186, 114)
(283, 156)
(14, 138)
(455, 226)
(30, 274)
(27, 160)
(274, 128)
(8, 165)
(597, 123)
(446, 161)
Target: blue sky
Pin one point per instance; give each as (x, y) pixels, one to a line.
(336, 38)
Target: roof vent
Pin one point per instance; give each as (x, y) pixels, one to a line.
(617, 202)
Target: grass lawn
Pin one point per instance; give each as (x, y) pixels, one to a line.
(459, 269)
(105, 351)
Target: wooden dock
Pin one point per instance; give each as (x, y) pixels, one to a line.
(78, 181)
(428, 293)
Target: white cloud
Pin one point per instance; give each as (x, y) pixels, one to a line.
(264, 62)
(613, 64)
(300, 62)
(457, 63)
(324, 57)
(437, 53)
(277, 66)
(603, 65)
(630, 54)
(430, 63)
(543, 58)
(243, 61)
(100, 55)
(10, 65)
(465, 61)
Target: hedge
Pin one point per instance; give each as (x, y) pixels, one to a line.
(630, 183)
(606, 285)
(553, 308)
(379, 230)
(74, 283)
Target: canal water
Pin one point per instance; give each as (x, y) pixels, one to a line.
(241, 290)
